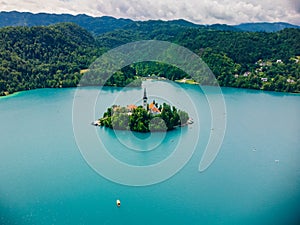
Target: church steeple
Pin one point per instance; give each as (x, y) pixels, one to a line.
(145, 99)
(145, 94)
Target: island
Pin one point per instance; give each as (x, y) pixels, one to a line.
(144, 118)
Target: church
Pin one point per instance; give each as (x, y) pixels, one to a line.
(152, 108)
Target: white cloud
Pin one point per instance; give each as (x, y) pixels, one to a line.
(295, 4)
(199, 11)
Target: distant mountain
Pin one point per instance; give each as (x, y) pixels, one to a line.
(266, 27)
(100, 25)
(180, 22)
(223, 27)
(96, 25)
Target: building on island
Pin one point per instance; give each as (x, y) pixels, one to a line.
(130, 109)
(153, 108)
(145, 99)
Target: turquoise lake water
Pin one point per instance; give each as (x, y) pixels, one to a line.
(255, 178)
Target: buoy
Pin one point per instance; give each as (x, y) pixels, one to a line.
(118, 202)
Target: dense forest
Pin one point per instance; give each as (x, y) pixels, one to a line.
(58, 55)
(40, 57)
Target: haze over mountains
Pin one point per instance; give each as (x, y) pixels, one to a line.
(100, 25)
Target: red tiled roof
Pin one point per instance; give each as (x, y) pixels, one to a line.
(151, 105)
(154, 109)
(131, 107)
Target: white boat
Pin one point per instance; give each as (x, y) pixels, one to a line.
(190, 121)
(96, 123)
(118, 202)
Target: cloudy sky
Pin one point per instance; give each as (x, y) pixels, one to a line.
(199, 11)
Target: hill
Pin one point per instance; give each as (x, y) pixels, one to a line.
(100, 25)
(242, 47)
(53, 56)
(259, 60)
(265, 27)
(38, 57)
(96, 25)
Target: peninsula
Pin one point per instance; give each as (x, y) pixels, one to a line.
(146, 118)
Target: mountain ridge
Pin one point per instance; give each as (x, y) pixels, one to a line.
(265, 26)
(103, 24)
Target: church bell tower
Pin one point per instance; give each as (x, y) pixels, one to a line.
(145, 99)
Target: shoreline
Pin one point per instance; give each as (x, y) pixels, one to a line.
(187, 81)
(150, 131)
(10, 95)
(249, 89)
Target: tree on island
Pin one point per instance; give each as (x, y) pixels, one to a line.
(140, 119)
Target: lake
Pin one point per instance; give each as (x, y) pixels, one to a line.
(54, 170)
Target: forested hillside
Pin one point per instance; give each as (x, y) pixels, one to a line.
(38, 57)
(96, 25)
(242, 47)
(258, 60)
(53, 56)
(100, 25)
